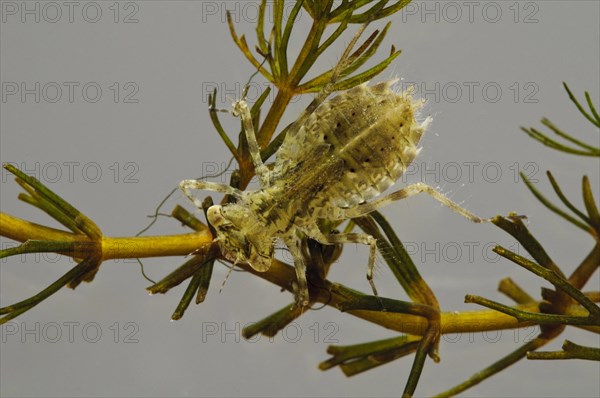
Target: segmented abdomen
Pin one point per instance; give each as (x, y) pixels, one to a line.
(372, 130)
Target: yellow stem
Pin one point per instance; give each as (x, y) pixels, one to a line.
(112, 248)
(280, 274)
(21, 230)
(154, 246)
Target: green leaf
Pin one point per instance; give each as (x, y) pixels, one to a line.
(57, 206)
(590, 203)
(594, 120)
(552, 207)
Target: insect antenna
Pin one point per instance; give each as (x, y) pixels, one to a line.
(157, 213)
(231, 269)
(247, 85)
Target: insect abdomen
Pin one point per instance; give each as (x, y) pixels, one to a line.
(374, 131)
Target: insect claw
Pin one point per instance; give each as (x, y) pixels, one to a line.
(373, 288)
(301, 296)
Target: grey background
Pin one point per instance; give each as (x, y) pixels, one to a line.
(174, 52)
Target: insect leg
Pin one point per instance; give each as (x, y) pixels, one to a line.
(187, 185)
(410, 191)
(240, 108)
(301, 291)
(365, 239)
